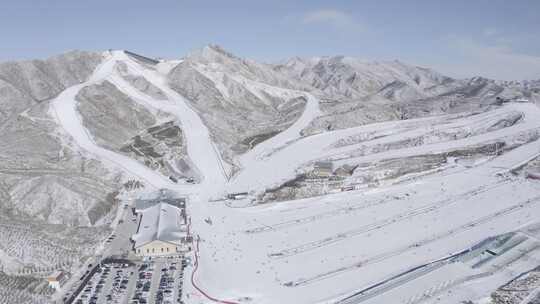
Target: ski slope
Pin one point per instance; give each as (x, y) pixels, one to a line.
(321, 249)
(282, 164)
(324, 249)
(281, 140)
(64, 109)
(200, 147)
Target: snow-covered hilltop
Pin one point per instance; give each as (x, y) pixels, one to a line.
(350, 173)
(352, 78)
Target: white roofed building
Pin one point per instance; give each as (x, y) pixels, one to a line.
(163, 197)
(162, 231)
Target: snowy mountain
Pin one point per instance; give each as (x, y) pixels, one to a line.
(38, 166)
(241, 101)
(352, 78)
(84, 133)
(357, 92)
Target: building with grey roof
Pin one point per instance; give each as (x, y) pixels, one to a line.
(162, 231)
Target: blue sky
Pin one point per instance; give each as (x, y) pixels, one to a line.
(497, 39)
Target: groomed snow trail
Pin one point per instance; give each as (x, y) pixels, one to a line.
(200, 147)
(64, 108)
(286, 137)
(281, 165)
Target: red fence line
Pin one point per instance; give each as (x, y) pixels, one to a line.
(193, 279)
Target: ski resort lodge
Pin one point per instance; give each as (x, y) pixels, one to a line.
(162, 231)
(143, 204)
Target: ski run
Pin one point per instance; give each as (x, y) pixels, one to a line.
(325, 249)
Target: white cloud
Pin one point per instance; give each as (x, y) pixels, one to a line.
(332, 17)
(490, 32)
(498, 60)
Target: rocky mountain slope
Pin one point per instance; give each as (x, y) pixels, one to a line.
(51, 194)
(40, 168)
(241, 101)
(356, 92)
(352, 78)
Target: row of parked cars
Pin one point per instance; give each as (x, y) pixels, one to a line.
(165, 292)
(119, 275)
(111, 283)
(143, 284)
(93, 288)
(183, 265)
(119, 284)
(171, 278)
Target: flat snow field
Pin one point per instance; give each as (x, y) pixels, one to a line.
(331, 246)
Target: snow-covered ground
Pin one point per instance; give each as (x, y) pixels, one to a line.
(321, 249)
(331, 246)
(280, 164)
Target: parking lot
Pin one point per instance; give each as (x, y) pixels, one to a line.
(157, 281)
(119, 244)
(167, 282)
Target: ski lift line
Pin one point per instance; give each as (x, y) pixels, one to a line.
(487, 273)
(388, 221)
(386, 255)
(220, 161)
(519, 164)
